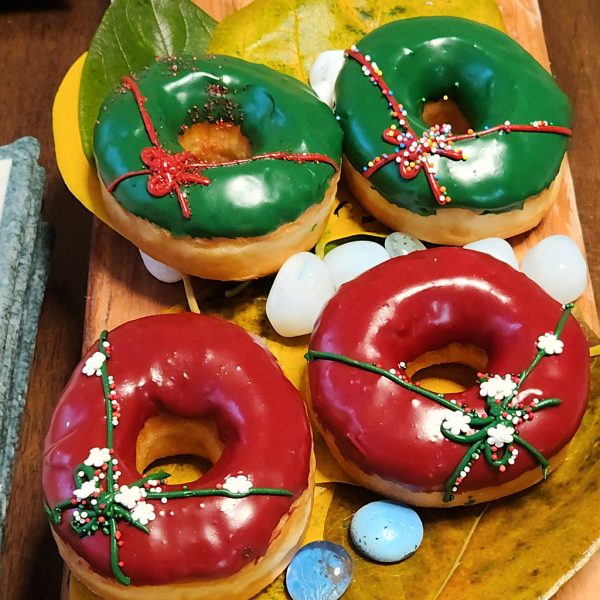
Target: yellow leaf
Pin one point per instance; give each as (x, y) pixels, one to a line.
(288, 35)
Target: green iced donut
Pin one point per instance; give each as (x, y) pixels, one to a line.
(295, 150)
(519, 117)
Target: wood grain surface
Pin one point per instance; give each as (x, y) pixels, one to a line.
(35, 55)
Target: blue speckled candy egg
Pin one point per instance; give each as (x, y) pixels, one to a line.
(319, 571)
(386, 531)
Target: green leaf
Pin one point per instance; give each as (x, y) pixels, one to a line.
(518, 548)
(131, 35)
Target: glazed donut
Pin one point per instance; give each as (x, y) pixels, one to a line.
(170, 385)
(406, 165)
(447, 305)
(217, 167)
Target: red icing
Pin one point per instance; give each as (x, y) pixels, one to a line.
(168, 171)
(190, 366)
(422, 302)
(412, 157)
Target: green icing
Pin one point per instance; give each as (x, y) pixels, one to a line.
(490, 77)
(276, 113)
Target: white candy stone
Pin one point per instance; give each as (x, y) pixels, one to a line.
(558, 267)
(350, 260)
(324, 73)
(401, 244)
(159, 270)
(498, 248)
(300, 291)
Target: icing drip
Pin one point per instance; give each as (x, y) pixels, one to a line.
(168, 171)
(493, 433)
(99, 502)
(413, 153)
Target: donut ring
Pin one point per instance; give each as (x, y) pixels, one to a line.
(444, 188)
(422, 448)
(178, 384)
(219, 219)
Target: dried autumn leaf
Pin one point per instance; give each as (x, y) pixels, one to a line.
(287, 35)
(517, 548)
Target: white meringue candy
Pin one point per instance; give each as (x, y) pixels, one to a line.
(496, 247)
(350, 260)
(300, 291)
(401, 244)
(324, 73)
(557, 265)
(159, 270)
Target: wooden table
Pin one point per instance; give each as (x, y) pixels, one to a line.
(38, 42)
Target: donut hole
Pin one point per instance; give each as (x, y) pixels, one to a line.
(185, 448)
(217, 142)
(450, 369)
(445, 111)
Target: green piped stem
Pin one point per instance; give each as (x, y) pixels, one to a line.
(466, 459)
(536, 453)
(545, 404)
(108, 406)
(315, 354)
(216, 492)
(114, 555)
(541, 353)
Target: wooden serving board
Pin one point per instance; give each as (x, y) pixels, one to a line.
(120, 289)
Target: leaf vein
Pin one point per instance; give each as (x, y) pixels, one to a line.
(297, 41)
(460, 554)
(352, 15)
(168, 47)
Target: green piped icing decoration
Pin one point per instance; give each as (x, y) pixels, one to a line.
(499, 422)
(96, 502)
(275, 112)
(490, 77)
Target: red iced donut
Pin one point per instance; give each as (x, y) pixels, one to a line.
(436, 306)
(172, 385)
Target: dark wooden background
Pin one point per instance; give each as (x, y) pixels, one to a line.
(38, 42)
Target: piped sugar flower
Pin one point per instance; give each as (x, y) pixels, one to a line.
(457, 422)
(550, 343)
(93, 365)
(129, 496)
(86, 490)
(143, 513)
(500, 435)
(97, 457)
(239, 484)
(498, 387)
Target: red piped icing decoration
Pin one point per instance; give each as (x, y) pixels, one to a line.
(189, 366)
(169, 171)
(412, 155)
(422, 302)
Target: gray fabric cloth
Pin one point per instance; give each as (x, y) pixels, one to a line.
(24, 257)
